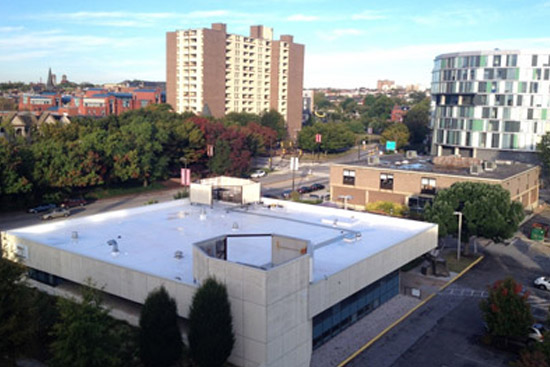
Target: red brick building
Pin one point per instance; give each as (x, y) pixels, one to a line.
(91, 102)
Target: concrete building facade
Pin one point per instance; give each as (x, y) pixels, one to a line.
(415, 181)
(210, 71)
(490, 104)
(296, 274)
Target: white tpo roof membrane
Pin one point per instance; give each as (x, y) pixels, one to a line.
(149, 236)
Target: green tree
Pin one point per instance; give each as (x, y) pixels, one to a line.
(160, 341)
(544, 151)
(506, 311)
(335, 137)
(320, 101)
(241, 118)
(84, 335)
(417, 97)
(220, 163)
(211, 337)
(275, 121)
(14, 305)
(417, 120)
(486, 211)
(397, 132)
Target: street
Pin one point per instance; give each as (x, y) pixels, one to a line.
(447, 330)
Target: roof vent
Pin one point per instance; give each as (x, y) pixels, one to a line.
(202, 216)
(476, 169)
(178, 254)
(373, 159)
(235, 226)
(349, 237)
(74, 235)
(489, 166)
(409, 154)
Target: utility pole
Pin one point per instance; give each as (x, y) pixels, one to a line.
(459, 233)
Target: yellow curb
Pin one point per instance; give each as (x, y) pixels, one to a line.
(462, 272)
(373, 340)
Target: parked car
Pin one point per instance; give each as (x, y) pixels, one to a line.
(535, 334)
(56, 213)
(303, 190)
(42, 208)
(258, 173)
(542, 283)
(70, 203)
(316, 187)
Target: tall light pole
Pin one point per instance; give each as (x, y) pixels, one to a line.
(459, 233)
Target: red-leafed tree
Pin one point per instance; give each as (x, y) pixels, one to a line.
(506, 311)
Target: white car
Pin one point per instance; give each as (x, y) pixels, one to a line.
(257, 174)
(542, 283)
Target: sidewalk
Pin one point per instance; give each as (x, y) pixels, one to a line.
(344, 344)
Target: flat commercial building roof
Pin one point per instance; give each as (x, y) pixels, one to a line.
(148, 237)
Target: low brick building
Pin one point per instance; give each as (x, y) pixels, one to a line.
(415, 181)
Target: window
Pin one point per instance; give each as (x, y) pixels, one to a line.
(386, 181)
(495, 140)
(534, 60)
(511, 60)
(349, 177)
(512, 126)
(493, 125)
(427, 186)
(496, 60)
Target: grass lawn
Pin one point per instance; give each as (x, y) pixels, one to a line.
(457, 266)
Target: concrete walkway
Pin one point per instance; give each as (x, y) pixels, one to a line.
(343, 345)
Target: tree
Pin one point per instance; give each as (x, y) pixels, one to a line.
(397, 132)
(160, 341)
(84, 335)
(14, 305)
(544, 151)
(417, 120)
(335, 137)
(211, 337)
(506, 311)
(275, 121)
(417, 97)
(486, 211)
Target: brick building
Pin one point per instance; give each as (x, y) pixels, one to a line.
(215, 71)
(415, 181)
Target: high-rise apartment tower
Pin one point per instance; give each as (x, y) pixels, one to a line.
(490, 104)
(212, 71)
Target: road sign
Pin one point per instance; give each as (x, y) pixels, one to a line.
(294, 163)
(390, 145)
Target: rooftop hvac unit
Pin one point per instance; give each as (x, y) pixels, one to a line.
(476, 169)
(373, 159)
(411, 154)
(489, 166)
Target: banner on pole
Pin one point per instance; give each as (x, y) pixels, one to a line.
(186, 176)
(318, 138)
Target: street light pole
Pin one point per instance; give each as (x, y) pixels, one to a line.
(459, 233)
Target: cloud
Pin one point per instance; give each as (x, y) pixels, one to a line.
(135, 19)
(411, 64)
(302, 18)
(339, 33)
(455, 17)
(10, 29)
(368, 15)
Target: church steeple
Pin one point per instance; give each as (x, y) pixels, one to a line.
(49, 83)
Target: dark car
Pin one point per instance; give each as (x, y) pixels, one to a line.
(303, 190)
(42, 208)
(70, 203)
(316, 187)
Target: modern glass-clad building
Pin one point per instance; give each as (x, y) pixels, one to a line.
(490, 104)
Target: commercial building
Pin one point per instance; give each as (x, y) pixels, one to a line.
(210, 71)
(296, 274)
(414, 181)
(490, 104)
